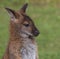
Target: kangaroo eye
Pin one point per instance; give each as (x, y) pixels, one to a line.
(26, 25)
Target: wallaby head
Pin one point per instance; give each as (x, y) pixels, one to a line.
(23, 23)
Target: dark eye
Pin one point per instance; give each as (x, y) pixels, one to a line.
(26, 25)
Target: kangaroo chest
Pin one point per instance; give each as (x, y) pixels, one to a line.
(28, 51)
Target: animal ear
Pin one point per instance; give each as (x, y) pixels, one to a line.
(12, 13)
(23, 9)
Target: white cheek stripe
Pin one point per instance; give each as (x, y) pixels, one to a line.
(25, 34)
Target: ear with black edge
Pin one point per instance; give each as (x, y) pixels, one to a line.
(23, 9)
(12, 13)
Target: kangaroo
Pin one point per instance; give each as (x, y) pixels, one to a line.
(22, 44)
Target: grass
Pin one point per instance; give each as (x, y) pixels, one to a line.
(47, 20)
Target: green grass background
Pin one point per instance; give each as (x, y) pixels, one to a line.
(47, 19)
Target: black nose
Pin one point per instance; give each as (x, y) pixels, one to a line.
(36, 33)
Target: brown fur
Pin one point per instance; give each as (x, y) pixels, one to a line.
(16, 41)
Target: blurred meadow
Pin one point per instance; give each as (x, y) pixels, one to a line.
(46, 16)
